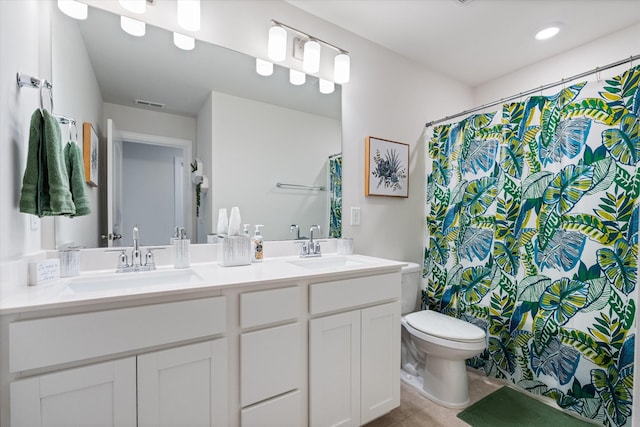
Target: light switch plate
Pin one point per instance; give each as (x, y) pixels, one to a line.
(355, 216)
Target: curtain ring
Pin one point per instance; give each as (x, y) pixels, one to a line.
(598, 74)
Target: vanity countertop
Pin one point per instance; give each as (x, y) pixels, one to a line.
(105, 286)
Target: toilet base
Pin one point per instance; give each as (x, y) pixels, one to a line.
(450, 397)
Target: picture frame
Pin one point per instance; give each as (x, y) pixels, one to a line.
(386, 168)
(90, 154)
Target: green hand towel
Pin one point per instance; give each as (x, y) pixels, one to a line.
(45, 184)
(31, 180)
(75, 169)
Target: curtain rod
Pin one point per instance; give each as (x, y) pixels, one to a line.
(538, 89)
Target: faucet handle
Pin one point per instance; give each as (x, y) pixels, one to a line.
(123, 262)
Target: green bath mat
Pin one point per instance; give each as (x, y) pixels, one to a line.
(508, 407)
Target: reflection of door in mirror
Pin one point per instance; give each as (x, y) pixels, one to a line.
(147, 187)
(114, 185)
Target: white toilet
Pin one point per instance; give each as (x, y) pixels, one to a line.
(435, 346)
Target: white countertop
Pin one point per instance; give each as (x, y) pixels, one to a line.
(104, 286)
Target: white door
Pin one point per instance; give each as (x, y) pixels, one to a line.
(96, 395)
(380, 387)
(334, 370)
(184, 386)
(114, 185)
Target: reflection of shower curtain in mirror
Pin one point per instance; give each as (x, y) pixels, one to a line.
(335, 195)
(533, 236)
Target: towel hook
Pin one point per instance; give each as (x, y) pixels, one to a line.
(45, 85)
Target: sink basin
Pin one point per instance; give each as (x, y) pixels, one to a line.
(141, 279)
(328, 263)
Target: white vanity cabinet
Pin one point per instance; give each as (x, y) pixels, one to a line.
(98, 395)
(271, 358)
(354, 355)
(172, 386)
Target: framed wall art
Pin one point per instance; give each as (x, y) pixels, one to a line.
(90, 154)
(386, 168)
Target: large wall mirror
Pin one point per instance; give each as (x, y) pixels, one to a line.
(248, 132)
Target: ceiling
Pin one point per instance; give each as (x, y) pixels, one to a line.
(475, 41)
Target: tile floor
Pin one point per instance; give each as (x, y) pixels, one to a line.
(416, 410)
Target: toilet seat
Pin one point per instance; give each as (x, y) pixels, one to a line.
(432, 324)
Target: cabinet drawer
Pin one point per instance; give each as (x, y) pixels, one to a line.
(282, 411)
(270, 306)
(43, 342)
(344, 294)
(270, 362)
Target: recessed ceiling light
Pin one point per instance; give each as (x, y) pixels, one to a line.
(548, 32)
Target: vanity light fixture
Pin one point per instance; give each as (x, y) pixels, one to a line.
(135, 6)
(548, 32)
(311, 57)
(309, 53)
(326, 86)
(297, 77)
(342, 68)
(73, 8)
(277, 45)
(184, 42)
(264, 68)
(189, 14)
(132, 26)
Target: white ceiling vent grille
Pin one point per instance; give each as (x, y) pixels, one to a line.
(149, 103)
(459, 1)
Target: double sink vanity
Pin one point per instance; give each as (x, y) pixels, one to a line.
(287, 342)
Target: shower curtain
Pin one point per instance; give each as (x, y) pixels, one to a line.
(335, 196)
(532, 220)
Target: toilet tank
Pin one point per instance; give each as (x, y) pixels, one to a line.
(411, 281)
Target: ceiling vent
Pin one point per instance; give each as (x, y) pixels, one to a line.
(149, 103)
(459, 1)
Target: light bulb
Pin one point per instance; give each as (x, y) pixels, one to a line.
(73, 9)
(342, 68)
(547, 33)
(189, 14)
(132, 26)
(297, 77)
(277, 47)
(264, 68)
(184, 42)
(326, 86)
(135, 6)
(311, 57)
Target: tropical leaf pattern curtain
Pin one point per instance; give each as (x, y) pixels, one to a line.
(335, 196)
(532, 218)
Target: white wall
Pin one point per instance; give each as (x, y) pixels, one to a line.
(76, 95)
(149, 122)
(276, 144)
(203, 153)
(24, 47)
(620, 45)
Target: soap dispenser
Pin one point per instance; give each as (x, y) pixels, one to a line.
(258, 243)
(181, 249)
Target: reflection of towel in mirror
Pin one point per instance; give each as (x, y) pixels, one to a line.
(45, 184)
(75, 170)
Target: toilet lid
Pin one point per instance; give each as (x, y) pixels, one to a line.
(443, 326)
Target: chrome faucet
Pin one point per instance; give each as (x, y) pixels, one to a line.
(137, 264)
(297, 229)
(311, 248)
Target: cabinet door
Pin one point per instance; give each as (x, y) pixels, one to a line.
(103, 394)
(184, 386)
(380, 388)
(334, 370)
